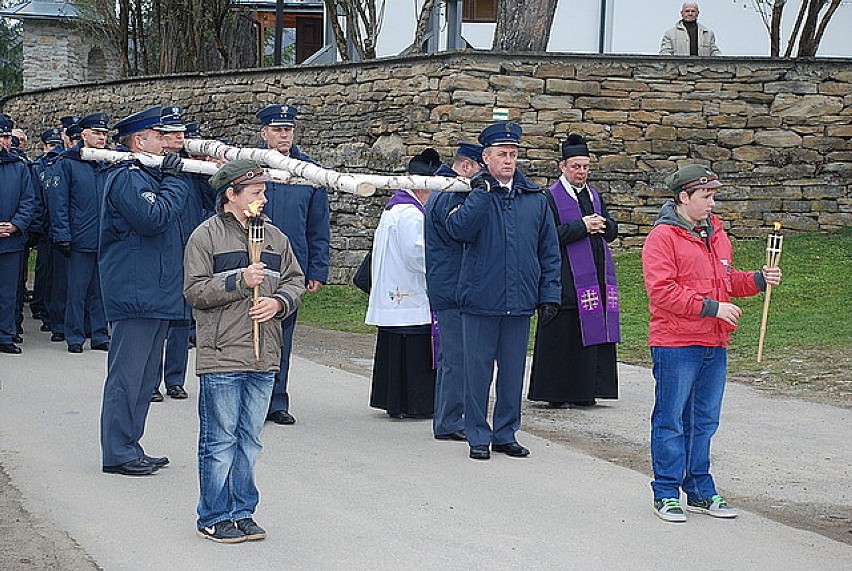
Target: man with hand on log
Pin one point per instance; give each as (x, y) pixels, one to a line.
(301, 212)
(141, 277)
(510, 267)
(443, 264)
(688, 266)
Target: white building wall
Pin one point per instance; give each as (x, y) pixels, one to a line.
(635, 27)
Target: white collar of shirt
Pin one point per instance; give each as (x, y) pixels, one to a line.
(571, 190)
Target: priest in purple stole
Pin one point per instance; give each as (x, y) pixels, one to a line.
(574, 361)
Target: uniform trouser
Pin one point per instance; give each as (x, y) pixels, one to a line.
(488, 340)
(41, 282)
(58, 288)
(22, 288)
(449, 380)
(10, 282)
(280, 399)
(177, 352)
(83, 299)
(133, 367)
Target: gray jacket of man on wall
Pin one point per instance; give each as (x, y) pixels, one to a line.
(676, 42)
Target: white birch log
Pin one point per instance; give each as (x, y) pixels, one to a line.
(188, 165)
(355, 183)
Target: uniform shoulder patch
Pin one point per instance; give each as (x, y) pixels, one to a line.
(149, 196)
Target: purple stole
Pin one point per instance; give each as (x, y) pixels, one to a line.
(402, 197)
(597, 324)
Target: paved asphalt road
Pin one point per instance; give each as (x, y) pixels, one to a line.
(347, 488)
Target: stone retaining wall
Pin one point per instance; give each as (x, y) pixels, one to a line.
(778, 132)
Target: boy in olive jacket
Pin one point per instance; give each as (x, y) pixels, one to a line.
(235, 385)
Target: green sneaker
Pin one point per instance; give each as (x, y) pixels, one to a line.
(669, 509)
(715, 506)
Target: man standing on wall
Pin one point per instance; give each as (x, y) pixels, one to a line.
(688, 37)
(301, 212)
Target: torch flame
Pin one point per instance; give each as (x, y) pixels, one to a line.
(254, 209)
(776, 226)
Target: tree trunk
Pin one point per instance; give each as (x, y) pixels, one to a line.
(422, 24)
(524, 25)
(775, 29)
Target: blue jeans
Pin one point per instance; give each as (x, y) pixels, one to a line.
(231, 410)
(690, 383)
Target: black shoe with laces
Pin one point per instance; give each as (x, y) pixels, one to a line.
(251, 530)
(157, 396)
(222, 532)
(176, 392)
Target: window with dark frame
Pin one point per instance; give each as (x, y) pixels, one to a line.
(479, 11)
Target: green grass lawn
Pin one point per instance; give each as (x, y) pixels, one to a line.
(810, 311)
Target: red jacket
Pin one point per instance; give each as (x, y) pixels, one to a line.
(681, 273)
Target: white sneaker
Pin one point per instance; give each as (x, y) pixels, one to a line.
(715, 506)
(669, 509)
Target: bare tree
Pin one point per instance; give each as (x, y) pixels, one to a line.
(363, 22)
(524, 26)
(422, 26)
(812, 19)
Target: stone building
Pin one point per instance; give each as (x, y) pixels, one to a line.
(55, 53)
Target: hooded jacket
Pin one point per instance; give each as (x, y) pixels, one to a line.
(686, 280)
(215, 257)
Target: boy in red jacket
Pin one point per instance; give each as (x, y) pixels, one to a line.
(690, 278)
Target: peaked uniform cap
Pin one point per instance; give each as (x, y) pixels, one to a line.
(6, 125)
(193, 130)
(147, 119)
(470, 151)
(277, 116)
(501, 133)
(95, 122)
(171, 120)
(52, 135)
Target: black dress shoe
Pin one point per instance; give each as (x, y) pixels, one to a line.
(511, 449)
(17, 339)
(10, 348)
(157, 396)
(75, 348)
(57, 337)
(176, 392)
(480, 452)
(132, 468)
(158, 461)
(101, 346)
(583, 403)
(458, 435)
(281, 417)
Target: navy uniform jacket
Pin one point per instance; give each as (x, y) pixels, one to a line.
(301, 212)
(73, 200)
(41, 222)
(193, 214)
(511, 261)
(141, 254)
(443, 253)
(18, 203)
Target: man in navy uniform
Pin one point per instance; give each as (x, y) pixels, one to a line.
(74, 204)
(301, 212)
(443, 264)
(141, 278)
(173, 130)
(17, 209)
(510, 267)
(51, 140)
(58, 260)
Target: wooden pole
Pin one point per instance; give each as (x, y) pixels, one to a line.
(774, 244)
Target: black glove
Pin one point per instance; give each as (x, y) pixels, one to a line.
(172, 164)
(33, 238)
(63, 248)
(481, 182)
(546, 313)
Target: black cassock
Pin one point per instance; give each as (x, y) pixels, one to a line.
(403, 377)
(563, 369)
